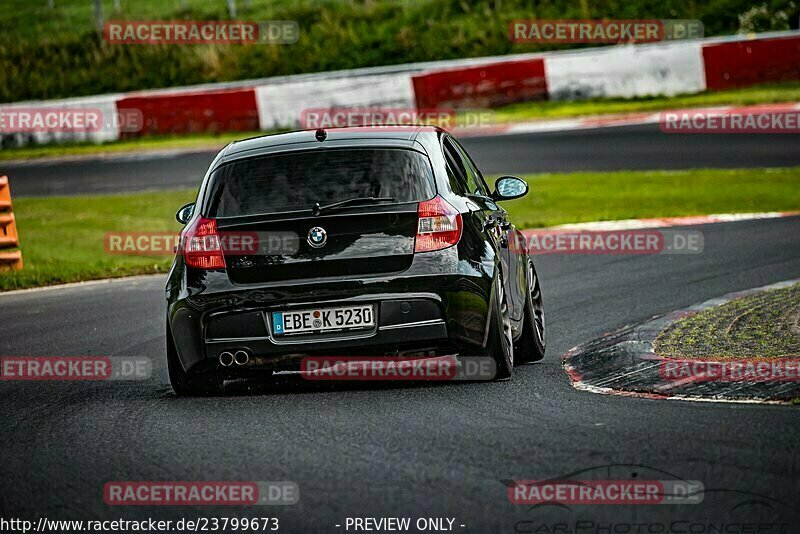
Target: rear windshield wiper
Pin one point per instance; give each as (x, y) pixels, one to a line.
(316, 209)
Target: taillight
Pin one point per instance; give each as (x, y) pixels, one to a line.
(202, 247)
(439, 225)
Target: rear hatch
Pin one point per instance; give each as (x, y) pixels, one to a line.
(319, 213)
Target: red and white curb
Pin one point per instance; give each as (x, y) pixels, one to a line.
(624, 363)
(667, 222)
(620, 119)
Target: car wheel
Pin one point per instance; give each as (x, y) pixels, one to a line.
(532, 342)
(501, 340)
(185, 384)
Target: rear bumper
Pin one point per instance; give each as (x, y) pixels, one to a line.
(421, 325)
(416, 312)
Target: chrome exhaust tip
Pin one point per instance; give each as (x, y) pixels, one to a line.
(241, 357)
(225, 359)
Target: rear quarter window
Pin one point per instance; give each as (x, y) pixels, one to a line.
(295, 181)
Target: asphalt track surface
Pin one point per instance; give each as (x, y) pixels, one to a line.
(406, 450)
(600, 149)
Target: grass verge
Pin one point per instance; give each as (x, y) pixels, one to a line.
(759, 326)
(590, 196)
(63, 237)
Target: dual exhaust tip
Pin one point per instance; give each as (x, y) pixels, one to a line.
(240, 357)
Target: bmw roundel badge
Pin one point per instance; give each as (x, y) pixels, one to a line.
(317, 237)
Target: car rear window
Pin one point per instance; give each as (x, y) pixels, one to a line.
(297, 180)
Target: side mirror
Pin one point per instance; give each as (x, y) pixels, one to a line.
(509, 187)
(184, 214)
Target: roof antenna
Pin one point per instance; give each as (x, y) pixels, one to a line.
(321, 135)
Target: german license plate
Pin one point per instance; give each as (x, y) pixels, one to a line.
(323, 320)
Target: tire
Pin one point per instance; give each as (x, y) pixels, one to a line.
(501, 342)
(185, 384)
(533, 341)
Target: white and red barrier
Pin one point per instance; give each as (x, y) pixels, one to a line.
(227, 110)
(625, 71)
(483, 86)
(753, 61)
(105, 106)
(281, 105)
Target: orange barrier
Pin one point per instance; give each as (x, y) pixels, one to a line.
(9, 238)
(8, 231)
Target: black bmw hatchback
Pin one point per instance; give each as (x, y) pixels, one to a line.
(347, 242)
